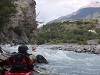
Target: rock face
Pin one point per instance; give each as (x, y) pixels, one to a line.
(21, 28)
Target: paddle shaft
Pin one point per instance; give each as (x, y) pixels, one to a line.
(45, 73)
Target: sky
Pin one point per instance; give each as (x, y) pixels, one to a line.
(48, 10)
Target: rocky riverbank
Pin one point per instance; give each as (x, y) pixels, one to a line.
(91, 49)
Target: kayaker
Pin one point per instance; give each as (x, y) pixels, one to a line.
(19, 62)
(1, 50)
(34, 49)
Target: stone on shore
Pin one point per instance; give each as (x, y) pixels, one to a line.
(91, 49)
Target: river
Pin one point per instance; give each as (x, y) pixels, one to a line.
(64, 62)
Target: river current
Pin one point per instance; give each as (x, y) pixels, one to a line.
(64, 62)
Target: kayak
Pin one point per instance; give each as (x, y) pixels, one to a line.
(34, 49)
(25, 73)
(28, 73)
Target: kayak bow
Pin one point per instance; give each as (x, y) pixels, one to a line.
(25, 73)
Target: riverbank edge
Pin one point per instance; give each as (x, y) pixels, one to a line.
(91, 49)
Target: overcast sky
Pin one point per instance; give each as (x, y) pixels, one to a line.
(48, 10)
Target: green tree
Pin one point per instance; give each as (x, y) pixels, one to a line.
(7, 9)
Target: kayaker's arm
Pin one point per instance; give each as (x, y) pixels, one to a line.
(3, 63)
(2, 68)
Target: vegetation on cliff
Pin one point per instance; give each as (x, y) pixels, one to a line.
(69, 32)
(7, 9)
(17, 21)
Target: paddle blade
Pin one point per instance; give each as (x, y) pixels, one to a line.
(42, 73)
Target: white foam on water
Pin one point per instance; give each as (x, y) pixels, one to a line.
(64, 62)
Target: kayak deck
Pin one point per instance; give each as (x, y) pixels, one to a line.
(26, 73)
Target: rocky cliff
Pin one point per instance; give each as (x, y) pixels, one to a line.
(22, 25)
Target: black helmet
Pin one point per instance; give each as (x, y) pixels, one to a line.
(22, 49)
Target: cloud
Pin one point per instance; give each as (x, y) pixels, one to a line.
(51, 9)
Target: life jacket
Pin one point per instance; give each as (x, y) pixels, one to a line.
(20, 62)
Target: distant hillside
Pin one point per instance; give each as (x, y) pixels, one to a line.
(90, 11)
(69, 32)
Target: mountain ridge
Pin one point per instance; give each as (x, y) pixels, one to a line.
(90, 11)
(92, 4)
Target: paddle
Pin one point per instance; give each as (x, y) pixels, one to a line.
(43, 73)
(5, 51)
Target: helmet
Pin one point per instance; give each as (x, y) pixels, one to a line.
(22, 49)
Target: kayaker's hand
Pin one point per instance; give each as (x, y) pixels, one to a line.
(1, 68)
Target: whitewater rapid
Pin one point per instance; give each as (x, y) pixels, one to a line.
(64, 62)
